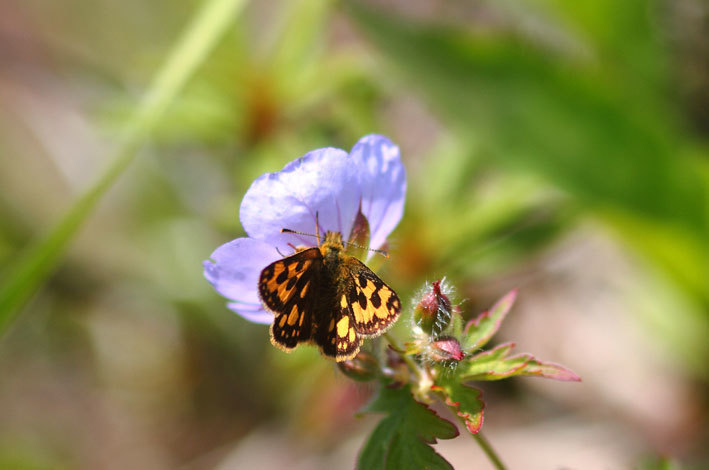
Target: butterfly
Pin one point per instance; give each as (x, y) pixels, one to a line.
(322, 295)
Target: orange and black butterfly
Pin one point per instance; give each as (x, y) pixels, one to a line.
(322, 295)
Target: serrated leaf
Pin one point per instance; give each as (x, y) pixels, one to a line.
(402, 439)
(497, 364)
(549, 370)
(493, 364)
(465, 401)
(479, 330)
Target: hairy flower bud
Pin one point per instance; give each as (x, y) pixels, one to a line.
(445, 349)
(363, 367)
(433, 312)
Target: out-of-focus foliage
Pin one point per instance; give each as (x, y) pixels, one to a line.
(522, 124)
(40, 260)
(598, 120)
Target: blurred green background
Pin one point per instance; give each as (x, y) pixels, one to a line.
(557, 147)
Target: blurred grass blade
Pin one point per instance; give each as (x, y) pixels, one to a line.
(195, 44)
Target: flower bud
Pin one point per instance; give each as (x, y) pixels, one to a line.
(433, 312)
(445, 349)
(363, 367)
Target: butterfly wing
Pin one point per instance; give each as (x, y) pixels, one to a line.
(287, 287)
(335, 333)
(335, 306)
(374, 305)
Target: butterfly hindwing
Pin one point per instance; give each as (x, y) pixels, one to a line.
(287, 289)
(374, 305)
(336, 334)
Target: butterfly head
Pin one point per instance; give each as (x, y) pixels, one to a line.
(332, 247)
(333, 243)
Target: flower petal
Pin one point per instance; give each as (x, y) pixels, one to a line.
(235, 271)
(383, 185)
(323, 182)
(251, 313)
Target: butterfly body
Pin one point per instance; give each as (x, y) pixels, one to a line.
(324, 296)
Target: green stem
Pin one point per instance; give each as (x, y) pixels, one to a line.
(489, 451)
(40, 260)
(407, 359)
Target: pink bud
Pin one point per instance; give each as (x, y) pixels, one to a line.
(433, 312)
(446, 349)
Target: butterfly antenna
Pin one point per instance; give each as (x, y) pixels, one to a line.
(317, 228)
(384, 253)
(287, 230)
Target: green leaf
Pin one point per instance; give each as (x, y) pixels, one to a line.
(493, 364)
(464, 400)
(479, 330)
(402, 439)
(549, 370)
(496, 364)
(199, 38)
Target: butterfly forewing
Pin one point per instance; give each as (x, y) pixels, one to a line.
(374, 305)
(285, 288)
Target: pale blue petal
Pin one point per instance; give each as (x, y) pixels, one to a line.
(383, 185)
(323, 182)
(255, 314)
(236, 267)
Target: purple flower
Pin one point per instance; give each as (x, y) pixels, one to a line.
(327, 182)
